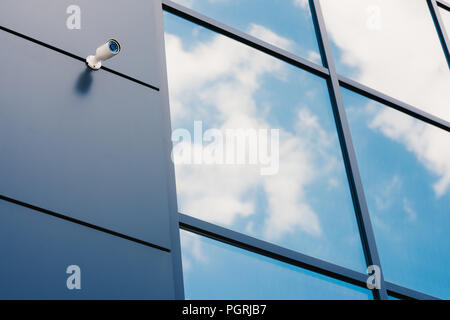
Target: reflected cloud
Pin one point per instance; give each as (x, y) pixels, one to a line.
(389, 191)
(430, 145)
(301, 3)
(191, 246)
(408, 208)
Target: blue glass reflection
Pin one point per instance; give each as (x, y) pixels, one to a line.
(405, 170)
(213, 270)
(285, 24)
(305, 203)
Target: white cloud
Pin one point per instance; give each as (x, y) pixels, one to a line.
(430, 145)
(403, 58)
(301, 3)
(192, 249)
(270, 37)
(289, 208)
(314, 57)
(410, 212)
(384, 199)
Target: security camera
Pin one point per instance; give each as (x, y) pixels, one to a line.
(106, 51)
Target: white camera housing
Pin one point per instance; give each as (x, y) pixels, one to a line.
(106, 51)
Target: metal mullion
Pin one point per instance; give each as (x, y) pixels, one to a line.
(351, 165)
(439, 24)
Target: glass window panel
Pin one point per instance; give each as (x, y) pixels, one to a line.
(393, 47)
(405, 170)
(304, 203)
(285, 24)
(216, 271)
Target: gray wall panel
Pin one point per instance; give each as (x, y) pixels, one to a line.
(131, 22)
(87, 144)
(37, 249)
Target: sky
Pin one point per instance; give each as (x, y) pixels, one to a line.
(307, 206)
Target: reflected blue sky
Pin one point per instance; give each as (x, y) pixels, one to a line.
(307, 205)
(289, 20)
(213, 270)
(405, 169)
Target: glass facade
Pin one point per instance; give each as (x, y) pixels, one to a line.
(363, 180)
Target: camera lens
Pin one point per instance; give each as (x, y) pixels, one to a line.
(113, 46)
